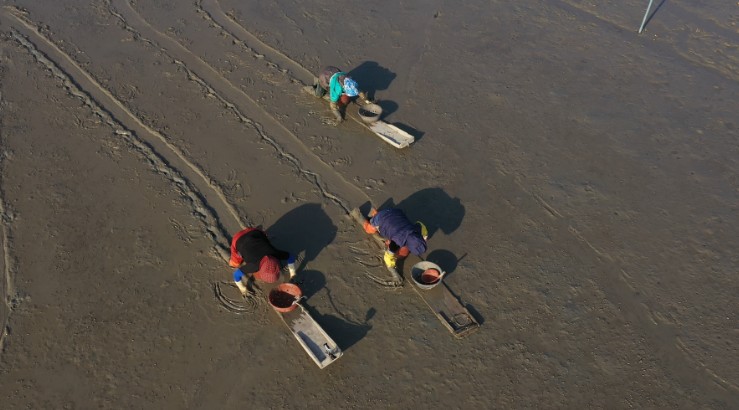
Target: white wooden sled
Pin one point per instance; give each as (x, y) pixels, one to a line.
(388, 132)
(315, 341)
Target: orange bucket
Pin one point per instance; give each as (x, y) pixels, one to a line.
(283, 297)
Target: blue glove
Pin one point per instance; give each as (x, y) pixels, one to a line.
(291, 259)
(238, 274)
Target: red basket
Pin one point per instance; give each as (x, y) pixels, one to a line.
(282, 297)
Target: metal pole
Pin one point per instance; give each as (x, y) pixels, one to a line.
(646, 13)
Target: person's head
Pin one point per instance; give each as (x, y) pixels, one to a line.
(351, 88)
(269, 269)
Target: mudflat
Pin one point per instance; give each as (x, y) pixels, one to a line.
(579, 183)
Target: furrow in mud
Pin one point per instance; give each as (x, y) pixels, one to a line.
(231, 97)
(154, 159)
(8, 267)
(635, 305)
(211, 10)
(137, 124)
(310, 176)
(711, 58)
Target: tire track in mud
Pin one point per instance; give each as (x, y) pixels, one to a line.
(123, 122)
(237, 101)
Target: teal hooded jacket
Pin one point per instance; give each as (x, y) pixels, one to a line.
(335, 88)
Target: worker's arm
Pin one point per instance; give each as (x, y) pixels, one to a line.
(363, 98)
(238, 275)
(291, 265)
(286, 256)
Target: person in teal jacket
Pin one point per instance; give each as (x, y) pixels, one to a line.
(341, 89)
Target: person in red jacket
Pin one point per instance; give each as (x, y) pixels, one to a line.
(253, 254)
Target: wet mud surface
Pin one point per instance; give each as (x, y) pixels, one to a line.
(579, 183)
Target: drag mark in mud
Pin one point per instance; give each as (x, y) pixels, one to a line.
(159, 136)
(546, 205)
(190, 62)
(636, 307)
(311, 176)
(211, 11)
(155, 160)
(720, 380)
(8, 267)
(717, 52)
(640, 312)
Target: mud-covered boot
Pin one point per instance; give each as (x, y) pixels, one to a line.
(318, 91)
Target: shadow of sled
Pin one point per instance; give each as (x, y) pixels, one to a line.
(346, 332)
(311, 336)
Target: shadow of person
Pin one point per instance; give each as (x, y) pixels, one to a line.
(372, 77)
(305, 230)
(434, 207)
(310, 282)
(388, 107)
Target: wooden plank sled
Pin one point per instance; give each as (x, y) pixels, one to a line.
(311, 336)
(388, 132)
(447, 307)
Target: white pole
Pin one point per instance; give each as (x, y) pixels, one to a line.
(646, 13)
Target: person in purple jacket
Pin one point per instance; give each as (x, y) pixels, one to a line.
(402, 236)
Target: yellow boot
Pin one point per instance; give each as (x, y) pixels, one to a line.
(390, 259)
